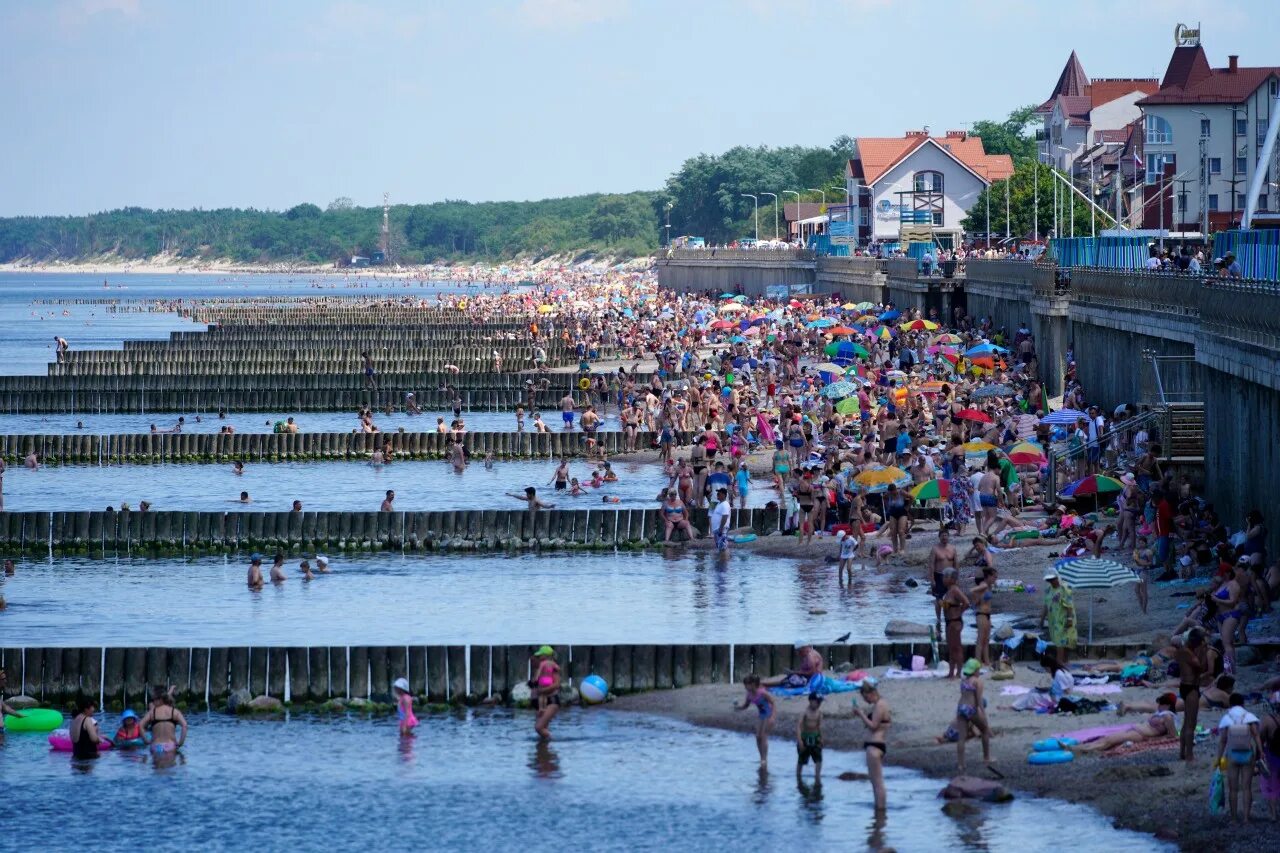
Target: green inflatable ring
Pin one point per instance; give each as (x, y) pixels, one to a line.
(34, 720)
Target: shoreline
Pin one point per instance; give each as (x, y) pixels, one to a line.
(1172, 805)
(168, 266)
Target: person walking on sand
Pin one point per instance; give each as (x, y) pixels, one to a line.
(970, 713)
(1239, 746)
(763, 702)
(1192, 665)
(877, 717)
(546, 690)
(809, 737)
(1060, 613)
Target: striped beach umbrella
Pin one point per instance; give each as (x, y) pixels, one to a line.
(1093, 573)
(932, 490)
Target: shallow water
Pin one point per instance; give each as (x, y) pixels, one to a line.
(248, 422)
(27, 344)
(479, 781)
(419, 485)
(670, 596)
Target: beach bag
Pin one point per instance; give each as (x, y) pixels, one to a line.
(1217, 792)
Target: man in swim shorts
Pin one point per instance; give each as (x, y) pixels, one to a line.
(942, 556)
(809, 737)
(567, 407)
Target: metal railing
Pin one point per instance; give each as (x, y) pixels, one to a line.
(758, 255)
(1123, 431)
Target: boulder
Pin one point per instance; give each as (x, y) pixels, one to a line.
(237, 700)
(22, 703)
(902, 628)
(1004, 632)
(972, 788)
(265, 705)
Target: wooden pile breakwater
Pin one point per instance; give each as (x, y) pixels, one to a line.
(147, 448)
(422, 382)
(183, 532)
(460, 674)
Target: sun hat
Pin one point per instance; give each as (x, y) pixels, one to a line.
(255, 557)
(1050, 575)
(971, 666)
(1128, 479)
(322, 559)
(401, 684)
(545, 652)
(128, 715)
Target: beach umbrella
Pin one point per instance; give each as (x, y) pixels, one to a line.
(1026, 453)
(948, 339)
(918, 326)
(932, 490)
(879, 479)
(737, 339)
(848, 406)
(938, 349)
(867, 319)
(849, 306)
(728, 295)
(1095, 484)
(1064, 417)
(740, 298)
(933, 386)
(732, 308)
(821, 323)
(1093, 573)
(973, 415)
(895, 374)
(865, 306)
(723, 324)
(882, 333)
(841, 330)
(984, 349)
(829, 367)
(546, 309)
(890, 315)
(838, 390)
(997, 390)
(977, 446)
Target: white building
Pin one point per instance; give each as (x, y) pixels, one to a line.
(1229, 109)
(1081, 113)
(920, 187)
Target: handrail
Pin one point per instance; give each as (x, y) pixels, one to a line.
(1128, 425)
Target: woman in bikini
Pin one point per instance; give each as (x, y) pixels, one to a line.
(971, 713)
(954, 604)
(877, 718)
(167, 726)
(803, 491)
(546, 690)
(981, 595)
(1160, 724)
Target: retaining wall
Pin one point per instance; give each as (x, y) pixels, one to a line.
(159, 532)
(120, 677)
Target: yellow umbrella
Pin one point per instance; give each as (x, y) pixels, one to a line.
(882, 477)
(849, 306)
(545, 309)
(977, 446)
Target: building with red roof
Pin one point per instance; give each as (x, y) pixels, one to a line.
(919, 186)
(1081, 114)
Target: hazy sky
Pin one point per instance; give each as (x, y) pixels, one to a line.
(180, 103)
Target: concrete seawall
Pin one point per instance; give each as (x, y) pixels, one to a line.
(121, 677)
(167, 532)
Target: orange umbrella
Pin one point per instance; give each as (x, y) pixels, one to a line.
(841, 330)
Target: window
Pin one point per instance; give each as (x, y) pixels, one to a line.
(1242, 127)
(1242, 165)
(1262, 201)
(1275, 86)
(1205, 128)
(1262, 132)
(1213, 201)
(937, 219)
(1156, 164)
(928, 182)
(864, 216)
(1159, 131)
(1182, 202)
(1215, 165)
(1240, 202)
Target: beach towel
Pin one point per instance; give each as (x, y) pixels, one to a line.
(923, 673)
(820, 684)
(765, 429)
(1159, 744)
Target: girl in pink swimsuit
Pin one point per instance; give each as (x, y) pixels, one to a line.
(404, 707)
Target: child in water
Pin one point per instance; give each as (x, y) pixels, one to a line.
(129, 735)
(404, 707)
(597, 479)
(575, 488)
(758, 696)
(809, 737)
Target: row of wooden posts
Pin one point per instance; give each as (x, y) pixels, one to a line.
(460, 673)
(38, 532)
(428, 380)
(273, 447)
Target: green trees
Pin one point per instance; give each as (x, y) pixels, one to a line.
(1022, 206)
(1011, 135)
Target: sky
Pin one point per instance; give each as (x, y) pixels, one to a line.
(182, 104)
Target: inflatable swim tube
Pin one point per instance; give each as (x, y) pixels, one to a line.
(60, 741)
(584, 383)
(744, 537)
(34, 720)
(1054, 756)
(1051, 744)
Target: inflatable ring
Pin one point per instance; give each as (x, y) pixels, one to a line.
(744, 537)
(60, 741)
(1052, 744)
(34, 720)
(584, 383)
(1053, 756)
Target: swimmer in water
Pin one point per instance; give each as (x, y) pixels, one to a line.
(388, 503)
(530, 496)
(611, 499)
(488, 462)
(404, 706)
(277, 569)
(255, 572)
(574, 488)
(305, 568)
(244, 498)
(237, 467)
(322, 564)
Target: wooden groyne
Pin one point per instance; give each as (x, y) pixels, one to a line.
(146, 448)
(461, 673)
(173, 532)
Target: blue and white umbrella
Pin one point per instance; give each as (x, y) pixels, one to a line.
(1064, 417)
(1093, 573)
(839, 390)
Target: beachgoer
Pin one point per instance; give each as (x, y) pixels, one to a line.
(5, 707)
(971, 713)
(809, 737)
(1160, 724)
(942, 556)
(850, 543)
(84, 732)
(531, 499)
(1192, 665)
(675, 515)
(1240, 741)
(1060, 613)
(954, 604)
(255, 572)
(404, 706)
(322, 564)
(130, 733)
(877, 718)
(388, 503)
(763, 702)
(167, 726)
(277, 574)
(546, 690)
(1270, 737)
(720, 520)
(981, 594)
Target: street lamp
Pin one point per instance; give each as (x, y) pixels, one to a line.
(755, 205)
(824, 197)
(670, 205)
(775, 214)
(1057, 191)
(795, 193)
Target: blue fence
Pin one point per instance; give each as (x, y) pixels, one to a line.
(821, 243)
(1257, 251)
(1121, 253)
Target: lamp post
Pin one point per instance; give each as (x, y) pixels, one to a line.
(823, 193)
(1035, 204)
(775, 214)
(795, 193)
(669, 206)
(1203, 202)
(755, 206)
(1071, 194)
(1007, 221)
